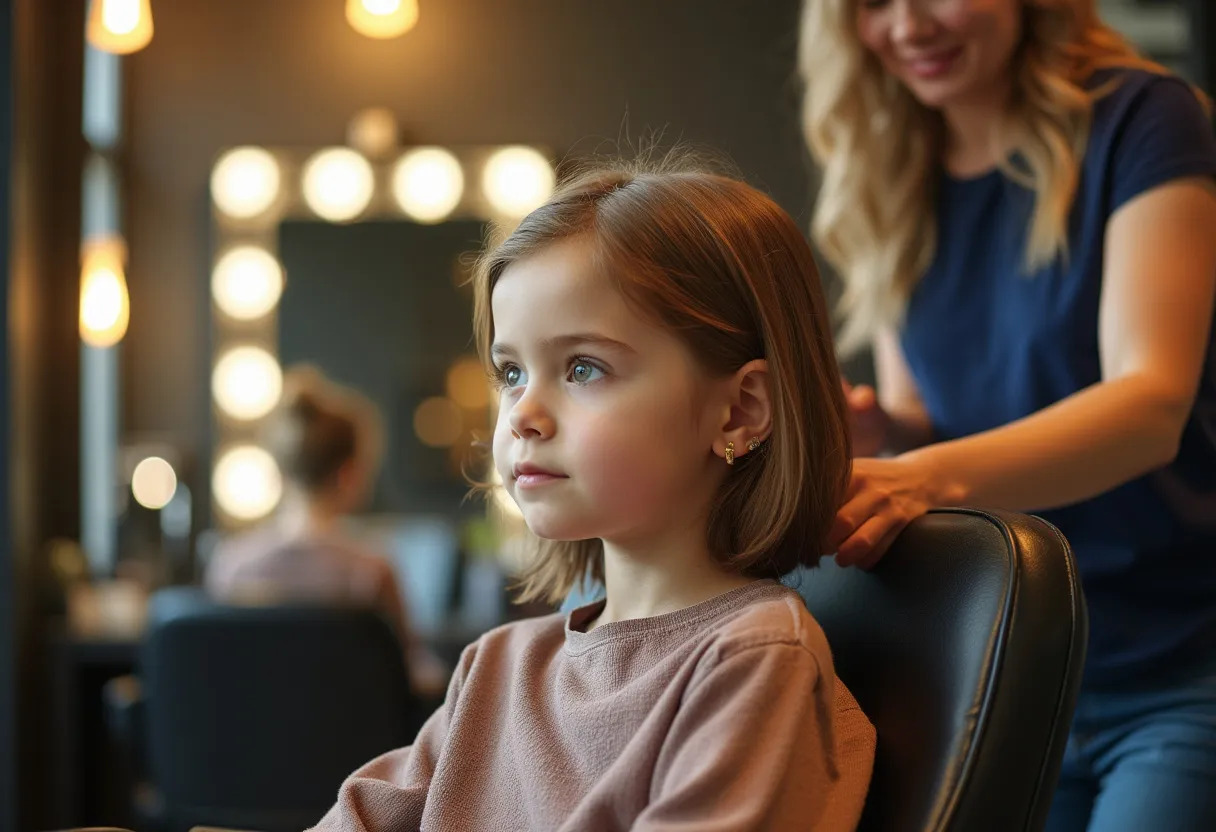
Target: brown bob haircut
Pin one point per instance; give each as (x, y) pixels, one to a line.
(726, 270)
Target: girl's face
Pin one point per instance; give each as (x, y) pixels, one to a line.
(605, 421)
(946, 52)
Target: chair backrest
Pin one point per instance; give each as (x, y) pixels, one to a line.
(254, 715)
(965, 647)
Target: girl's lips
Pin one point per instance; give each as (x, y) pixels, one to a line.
(536, 480)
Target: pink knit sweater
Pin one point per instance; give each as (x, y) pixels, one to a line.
(726, 715)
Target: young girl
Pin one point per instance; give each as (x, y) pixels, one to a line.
(670, 420)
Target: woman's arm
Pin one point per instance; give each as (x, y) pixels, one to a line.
(1159, 286)
(908, 424)
(893, 419)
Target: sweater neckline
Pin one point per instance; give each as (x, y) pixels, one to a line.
(578, 641)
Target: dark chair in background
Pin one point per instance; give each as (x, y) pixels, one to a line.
(250, 717)
(965, 648)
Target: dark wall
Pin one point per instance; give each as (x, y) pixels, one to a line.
(292, 72)
(42, 150)
(8, 588)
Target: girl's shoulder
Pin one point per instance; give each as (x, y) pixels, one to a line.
(778, 617)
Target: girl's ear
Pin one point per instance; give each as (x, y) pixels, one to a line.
(750, 419)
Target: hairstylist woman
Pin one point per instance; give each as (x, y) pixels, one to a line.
(1022, 209)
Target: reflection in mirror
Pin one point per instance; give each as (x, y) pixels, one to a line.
(377, 307)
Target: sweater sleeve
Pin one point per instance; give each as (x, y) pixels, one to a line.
(389, 793)
(750, 749)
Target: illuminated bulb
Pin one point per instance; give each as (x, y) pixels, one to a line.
(246, 482)
(338, 184)
(382, 18)
(119, 26)
(247, 382)
(154, 483)
(467, 384)
(247, 283)
(438, 422)
(517, 180)
(245, 182)
(104, 304)
(428, 183)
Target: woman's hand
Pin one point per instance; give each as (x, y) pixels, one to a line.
(884, 496)
(869, 422)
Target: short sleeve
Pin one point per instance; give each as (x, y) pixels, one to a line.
(1164, 134)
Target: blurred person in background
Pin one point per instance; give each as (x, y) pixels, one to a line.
(327, 442)
(1023, 212)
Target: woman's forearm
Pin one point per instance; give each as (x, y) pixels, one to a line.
(1082, 446)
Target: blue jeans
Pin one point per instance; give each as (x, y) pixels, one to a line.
(1141, 758)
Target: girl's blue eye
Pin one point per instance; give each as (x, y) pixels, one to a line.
(511, 376)
(584, 372)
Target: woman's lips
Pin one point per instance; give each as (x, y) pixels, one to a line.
(933, 66)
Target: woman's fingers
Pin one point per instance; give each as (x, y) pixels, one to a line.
(860, 545)
(879, 550)
(862, 398)
(861, 504)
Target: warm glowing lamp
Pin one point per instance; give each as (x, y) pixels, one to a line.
(153, 483)
(246, 482)
(382, 19)
(247, 382)
(438, 422)
(245, 182)
(119, 26)
(428, 183)
(517, 180)
(247, 283)
(338, 184)
(104, 304)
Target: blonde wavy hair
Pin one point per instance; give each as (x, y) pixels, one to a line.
(879, 148)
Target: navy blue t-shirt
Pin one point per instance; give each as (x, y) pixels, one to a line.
(989, 344)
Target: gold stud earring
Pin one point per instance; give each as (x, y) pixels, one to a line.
(755, 443)
(730, 453)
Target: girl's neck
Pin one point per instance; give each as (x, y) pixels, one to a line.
(658, 578)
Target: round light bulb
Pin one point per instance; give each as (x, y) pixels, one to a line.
(438, 422)
(428, 183)
(247, 283)
(246, 482)
(247, 382)
(338, 184)
(382, 18)
(119, 26)
(153, 483)
(468, 385)
(517, 180)
(245, 182)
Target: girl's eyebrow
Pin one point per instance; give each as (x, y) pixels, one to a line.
(499, 349)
